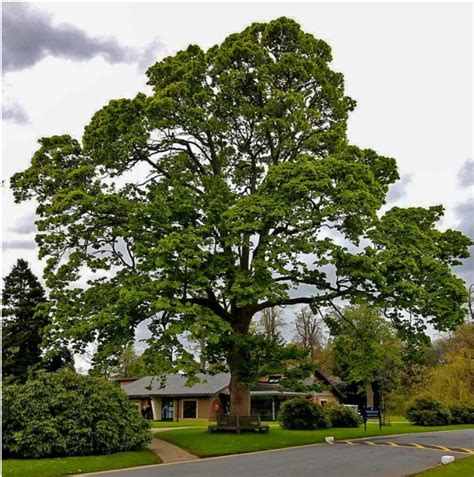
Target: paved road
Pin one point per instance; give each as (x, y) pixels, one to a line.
(463, 438)
(319, 460)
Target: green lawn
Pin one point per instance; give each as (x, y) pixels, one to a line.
(204, 444)
(460, 467)
(205, 422)
(60, 466)
(395, 418)
(193, 423)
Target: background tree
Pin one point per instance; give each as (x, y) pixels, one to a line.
(445, 374)
(309, 330)
(365, 347)
(22, 322)
(453, 381)
(126, 364)
(211, 198)
(271, 323)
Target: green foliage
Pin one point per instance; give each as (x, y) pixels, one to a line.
(341, 416)
(67, 414)
(446, 373)
(24, 321)
(426, 411)
(462, 413)
(302, 414)
(453, 380)
(126, 364)
(365, 346)
(203, 200)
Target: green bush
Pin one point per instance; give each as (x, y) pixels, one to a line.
(462, 414)
(427, 411)
(302, 414)
(342, 416)
(67, 414)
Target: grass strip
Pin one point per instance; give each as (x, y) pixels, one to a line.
(460, 467)
(60, 466)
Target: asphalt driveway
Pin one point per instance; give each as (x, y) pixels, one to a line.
(381, 458)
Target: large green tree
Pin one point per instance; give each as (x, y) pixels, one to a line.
(22, 322)
(220, 192)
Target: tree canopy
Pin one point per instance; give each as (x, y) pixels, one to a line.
(220, 193)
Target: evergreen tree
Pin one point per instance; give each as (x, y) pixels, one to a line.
(22, 322)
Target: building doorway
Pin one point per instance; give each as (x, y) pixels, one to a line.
(167, 409)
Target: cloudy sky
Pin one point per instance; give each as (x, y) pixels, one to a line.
(409, 66)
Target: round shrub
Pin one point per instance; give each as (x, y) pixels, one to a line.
(462, 414)
(66, 414)
(342, 416)
(303, 414)
(428, 412)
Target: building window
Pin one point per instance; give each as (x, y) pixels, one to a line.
(189, 409)
(263, 407)
(323, 402)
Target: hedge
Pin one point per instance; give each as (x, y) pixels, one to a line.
(342, 416)
(427, 411)
(68, 414)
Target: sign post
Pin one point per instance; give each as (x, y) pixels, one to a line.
(371, 413)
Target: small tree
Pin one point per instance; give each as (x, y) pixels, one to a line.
(365, 347)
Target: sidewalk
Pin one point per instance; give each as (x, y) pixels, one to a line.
(169, 452)
(164, 429)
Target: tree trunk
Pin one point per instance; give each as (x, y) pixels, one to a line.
(239, 398)
(370, 395)
(238, 360)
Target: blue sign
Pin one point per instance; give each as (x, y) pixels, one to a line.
(371, 413)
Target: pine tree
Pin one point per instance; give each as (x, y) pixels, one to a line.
(22, 324)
